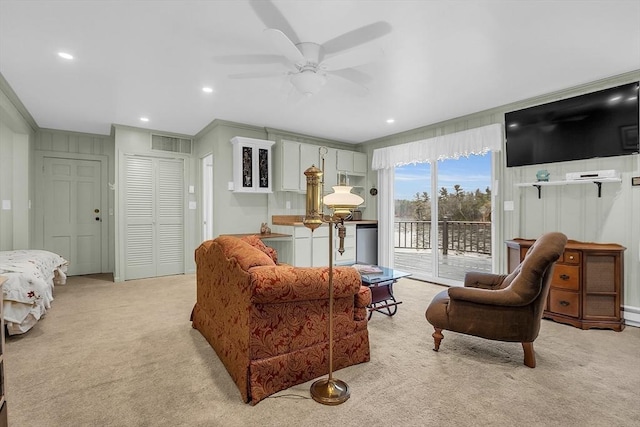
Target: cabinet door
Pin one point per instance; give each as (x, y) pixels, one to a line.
(290, 166)
(251, 165)
(330, 170)
(360, 163)
(320, 251)
(309, 155)
(302, 252)
(345, 161)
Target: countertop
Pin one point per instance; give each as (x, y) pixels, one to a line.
(296, 220)
(260, 236)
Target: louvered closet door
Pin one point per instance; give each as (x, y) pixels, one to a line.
(170, 222)
(154, 203)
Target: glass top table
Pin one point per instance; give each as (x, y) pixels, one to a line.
(381, 285)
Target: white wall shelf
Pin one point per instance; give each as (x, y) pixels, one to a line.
(540, 184)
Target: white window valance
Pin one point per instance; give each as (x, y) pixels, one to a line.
(451, 146)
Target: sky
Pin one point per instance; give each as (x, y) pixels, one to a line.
(470, 173)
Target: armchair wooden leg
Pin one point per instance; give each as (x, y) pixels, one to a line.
(437, 337)
(529, 354)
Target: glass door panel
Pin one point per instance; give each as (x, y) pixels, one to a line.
(412, 229)
(443, 219)
(464, 216)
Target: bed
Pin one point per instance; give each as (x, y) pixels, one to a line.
(28, 292)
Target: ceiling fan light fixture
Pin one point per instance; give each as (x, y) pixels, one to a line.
(308, 82)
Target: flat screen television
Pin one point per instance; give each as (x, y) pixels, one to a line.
(597, 124)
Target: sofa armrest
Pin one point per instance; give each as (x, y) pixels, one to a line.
(500, 297)
(476, 279)
(363, 298)
(284, 283)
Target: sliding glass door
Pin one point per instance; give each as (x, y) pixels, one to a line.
(443, 218)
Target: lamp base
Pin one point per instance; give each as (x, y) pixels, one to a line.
(330, 391)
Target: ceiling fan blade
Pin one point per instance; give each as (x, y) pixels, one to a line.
(256, 75)
(352, 58)
(285, 46)
(357, 37)
(249, 59)
(272, 18)
(354, 76)
(348, 83)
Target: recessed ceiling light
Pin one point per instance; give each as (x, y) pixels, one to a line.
(144, 119)
(391, 121)
(207, 89)
(65, 55)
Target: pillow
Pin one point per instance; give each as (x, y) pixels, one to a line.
(257, 243)
(246, 255)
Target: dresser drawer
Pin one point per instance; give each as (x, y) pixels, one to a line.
(571, 257)
(566, 277)
(564, 302)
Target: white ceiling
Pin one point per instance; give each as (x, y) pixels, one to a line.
(442, 59)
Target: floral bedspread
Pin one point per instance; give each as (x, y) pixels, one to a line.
(28, 290)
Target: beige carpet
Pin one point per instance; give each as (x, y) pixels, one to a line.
(124, 354)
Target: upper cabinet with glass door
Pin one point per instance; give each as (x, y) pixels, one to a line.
(251, 165)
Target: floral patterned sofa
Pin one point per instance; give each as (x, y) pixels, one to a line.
(268, 322)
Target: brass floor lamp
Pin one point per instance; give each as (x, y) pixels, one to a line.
(329, 391)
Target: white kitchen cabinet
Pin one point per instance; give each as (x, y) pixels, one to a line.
(288, 166)
(330, 169)
(308, 249)
(309, 155)
(351, 162)
(251, 165)
(360, 163)
(302, 247)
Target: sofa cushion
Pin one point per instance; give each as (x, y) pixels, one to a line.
(246, 255)
(256, 242)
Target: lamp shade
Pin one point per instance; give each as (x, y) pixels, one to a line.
(342, 201)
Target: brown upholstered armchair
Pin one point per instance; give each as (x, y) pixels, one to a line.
(501, 307)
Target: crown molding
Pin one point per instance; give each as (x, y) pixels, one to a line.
(6, 88)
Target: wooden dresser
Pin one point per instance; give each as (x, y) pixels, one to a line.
(3, 404)
(587, 284)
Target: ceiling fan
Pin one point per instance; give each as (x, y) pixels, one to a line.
(310, 64)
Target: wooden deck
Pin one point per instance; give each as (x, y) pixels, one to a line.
(452, 266)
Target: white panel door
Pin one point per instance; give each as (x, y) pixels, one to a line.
(73, 215)
(154, 217)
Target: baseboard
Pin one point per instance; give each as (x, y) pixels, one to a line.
(631, 316)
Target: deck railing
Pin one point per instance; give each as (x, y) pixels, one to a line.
(460, 236)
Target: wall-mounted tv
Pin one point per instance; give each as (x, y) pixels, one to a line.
(598, 124)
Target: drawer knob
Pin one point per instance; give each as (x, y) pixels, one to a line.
(571, 257)
(564, 276)
(564, 303)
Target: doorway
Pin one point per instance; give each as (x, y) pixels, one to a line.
(207, 197)
(443, 218)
